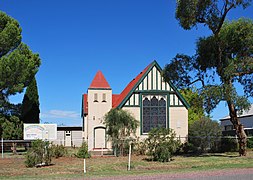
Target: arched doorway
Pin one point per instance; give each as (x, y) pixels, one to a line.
(99, 137)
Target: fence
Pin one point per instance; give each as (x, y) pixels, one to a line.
(17, 146)
(14, 146)
(68, 143)
(249, 132)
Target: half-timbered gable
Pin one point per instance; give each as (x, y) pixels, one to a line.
(152, 101)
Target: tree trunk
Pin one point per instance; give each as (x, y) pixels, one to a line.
(242, 137)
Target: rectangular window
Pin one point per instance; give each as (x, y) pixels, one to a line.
(178, 124)
(104, 97)
(95, 97)
(154, 108)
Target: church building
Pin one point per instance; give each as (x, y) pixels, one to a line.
(153, 102)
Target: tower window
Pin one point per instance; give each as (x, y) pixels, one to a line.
(104, 97)
(95, 97)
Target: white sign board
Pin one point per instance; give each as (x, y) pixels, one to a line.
(40, 131)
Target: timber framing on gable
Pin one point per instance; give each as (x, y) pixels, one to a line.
(151, 82)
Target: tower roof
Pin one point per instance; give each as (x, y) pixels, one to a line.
(99, 82)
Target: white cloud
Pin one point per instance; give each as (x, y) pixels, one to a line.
(60, 114)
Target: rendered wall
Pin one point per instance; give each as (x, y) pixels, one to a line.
(135, 111)
(178, 121)
(77, 139)
(96, 113)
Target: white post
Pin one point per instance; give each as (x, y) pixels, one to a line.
(129, 157)
(84, 166)
(102, 153)
(2, 148)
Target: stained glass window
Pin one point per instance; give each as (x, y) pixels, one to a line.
(153, 112)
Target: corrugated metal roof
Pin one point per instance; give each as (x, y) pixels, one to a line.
(244, 113)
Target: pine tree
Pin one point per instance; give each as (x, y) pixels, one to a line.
(30, 106)
(18, 64)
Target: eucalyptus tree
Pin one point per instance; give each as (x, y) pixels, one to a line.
(222, 60)
(196, 110)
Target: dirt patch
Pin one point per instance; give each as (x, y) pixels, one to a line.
(108, 166)
(16, 167)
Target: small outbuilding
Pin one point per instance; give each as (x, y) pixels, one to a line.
(69, 136)
(246, 119)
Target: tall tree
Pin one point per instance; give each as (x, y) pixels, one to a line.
(18, 65)
(30, 109)
(12, 127)
(196, 110)
(211, 13)
(120, 125)
(226, 55)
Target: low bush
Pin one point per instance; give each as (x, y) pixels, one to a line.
(228, 144)
(162, 144)
(58, 150)
(39, 153)
(204, 134)
(250, 142)
(140, 147)
(83, 151)
(188, 148)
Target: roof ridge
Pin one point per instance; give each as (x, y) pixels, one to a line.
(99, 81)
(132, 84)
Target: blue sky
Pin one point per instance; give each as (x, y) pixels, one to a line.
(77, 38)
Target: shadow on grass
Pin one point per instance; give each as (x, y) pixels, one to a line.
(43, 165)
(210, 155)
(149, 159)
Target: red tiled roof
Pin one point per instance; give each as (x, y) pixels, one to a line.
(115, 98)
(99, 81)
(130, 86)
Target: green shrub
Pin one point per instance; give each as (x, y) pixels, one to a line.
(250, 142)
(161, 144)
(162, 152)
(39, 153)
(204, 134)
(58, 150)
(139, 148)
(83, 151)
(229, 144)
(189, 148)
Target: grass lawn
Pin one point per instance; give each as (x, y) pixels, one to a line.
(71, 167)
